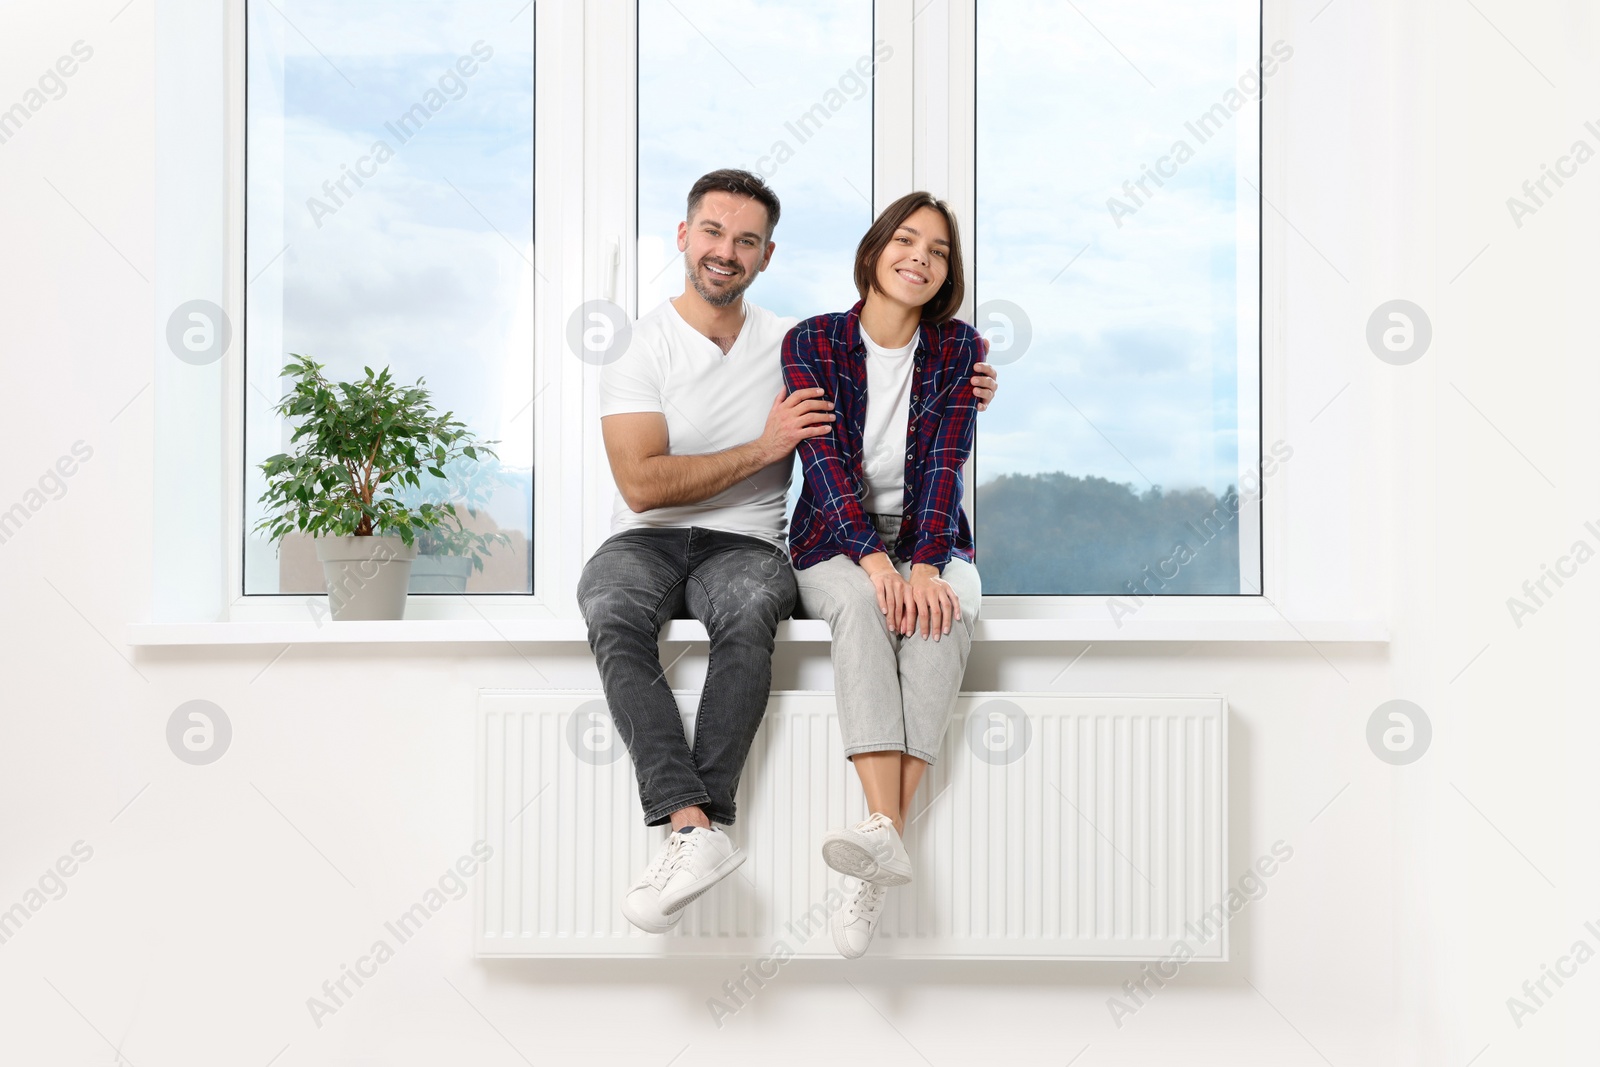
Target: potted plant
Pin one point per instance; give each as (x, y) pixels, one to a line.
(357, 447)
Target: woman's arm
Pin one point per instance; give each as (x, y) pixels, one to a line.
(806, 365)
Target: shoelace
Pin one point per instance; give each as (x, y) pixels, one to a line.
(658, 871)
(687, 843)
(867, 901)
(679, 851)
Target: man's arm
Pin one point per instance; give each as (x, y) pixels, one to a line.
(649, 477)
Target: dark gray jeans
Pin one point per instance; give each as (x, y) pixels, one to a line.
(739, 587)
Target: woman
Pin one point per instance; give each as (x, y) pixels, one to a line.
(880, 546)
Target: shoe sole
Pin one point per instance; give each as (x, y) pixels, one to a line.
(644, 924)
(718, 873)
(847, 856)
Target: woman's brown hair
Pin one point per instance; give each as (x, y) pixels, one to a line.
(947, 301)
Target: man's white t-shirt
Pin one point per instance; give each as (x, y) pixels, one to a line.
(711, 402)
(883, 440)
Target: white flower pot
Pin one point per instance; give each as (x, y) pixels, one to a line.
(366, 576)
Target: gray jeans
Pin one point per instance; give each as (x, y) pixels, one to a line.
(739, 587)
(894, 694)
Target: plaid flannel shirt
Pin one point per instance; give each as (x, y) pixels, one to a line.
(828, 352)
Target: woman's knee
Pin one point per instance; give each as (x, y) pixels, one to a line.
(968, 587)
(843, 606)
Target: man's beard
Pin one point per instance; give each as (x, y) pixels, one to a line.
(716, 298)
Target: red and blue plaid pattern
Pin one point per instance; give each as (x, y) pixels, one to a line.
(827, 352)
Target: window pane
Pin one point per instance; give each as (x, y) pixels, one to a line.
(390, 223)
(781, 88)
(1117, 238)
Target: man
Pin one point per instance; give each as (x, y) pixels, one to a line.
(701, 440)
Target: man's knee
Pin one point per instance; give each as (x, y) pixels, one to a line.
(595, 594)
(779, 596)
(750, 600)
(752, 618)
(608, 605)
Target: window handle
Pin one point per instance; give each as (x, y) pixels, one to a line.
(613, 266)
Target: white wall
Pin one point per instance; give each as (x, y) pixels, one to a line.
(219, 898)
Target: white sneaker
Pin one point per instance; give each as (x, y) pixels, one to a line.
(854, 924)
(642, 904)
(700, 859)
(872, 851)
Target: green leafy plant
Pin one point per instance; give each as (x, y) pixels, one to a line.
(356, 450)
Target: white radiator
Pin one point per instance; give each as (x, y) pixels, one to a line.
(1052, 827)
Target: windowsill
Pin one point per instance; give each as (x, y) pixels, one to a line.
(797, 631)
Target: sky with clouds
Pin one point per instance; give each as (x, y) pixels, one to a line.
(1141, 332)
(728, 91)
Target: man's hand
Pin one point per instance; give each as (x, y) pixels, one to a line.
(793, 418)
(984, 378)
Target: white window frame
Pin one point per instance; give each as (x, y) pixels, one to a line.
(1320, 583)
(556, 547)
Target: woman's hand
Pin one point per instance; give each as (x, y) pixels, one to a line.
(894, 592)
(933, 602)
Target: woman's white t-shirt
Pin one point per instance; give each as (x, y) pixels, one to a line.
(883, 444)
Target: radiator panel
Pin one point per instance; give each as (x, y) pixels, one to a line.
(1051, 827)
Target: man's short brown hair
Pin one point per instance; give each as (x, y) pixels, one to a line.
(947, 301)
(741, 182)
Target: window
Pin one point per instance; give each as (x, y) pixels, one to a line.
(389, 207)
(1117, 274)
(1129, 414)
(389, 221)
(781, 88)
